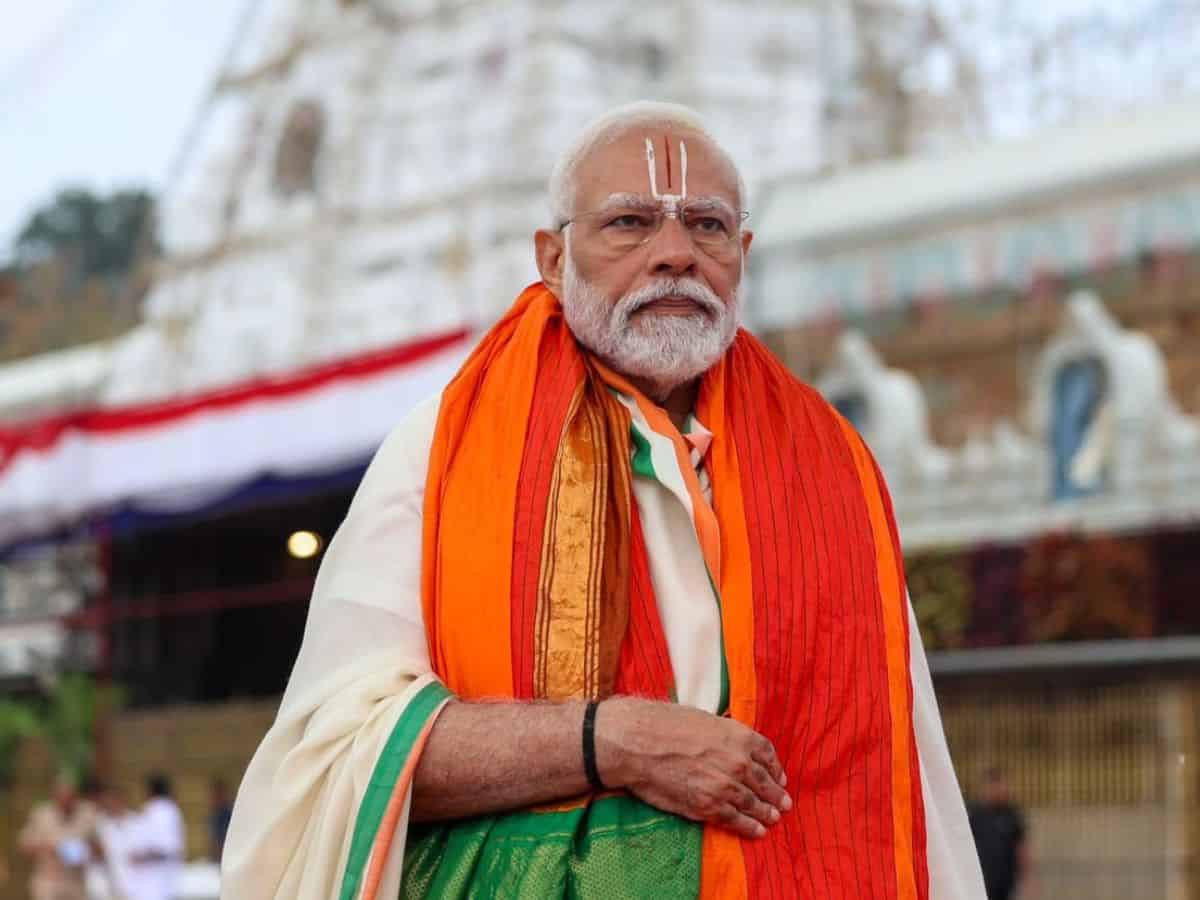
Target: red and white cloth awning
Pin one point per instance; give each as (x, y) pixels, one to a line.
(187, 452)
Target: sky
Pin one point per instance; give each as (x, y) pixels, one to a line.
(100, 93)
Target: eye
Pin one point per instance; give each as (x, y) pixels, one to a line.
(629, 222)
(709, 225)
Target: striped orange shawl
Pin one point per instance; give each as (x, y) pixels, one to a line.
(536, 585)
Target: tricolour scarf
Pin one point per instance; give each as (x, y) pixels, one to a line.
(536, 585)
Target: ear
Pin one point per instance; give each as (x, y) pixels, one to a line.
(550, 249)
(747, 238)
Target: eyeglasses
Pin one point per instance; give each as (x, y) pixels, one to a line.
(712, 225)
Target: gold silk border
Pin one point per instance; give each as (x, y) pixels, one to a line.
(582, 602)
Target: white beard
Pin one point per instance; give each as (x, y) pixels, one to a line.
(665, 351)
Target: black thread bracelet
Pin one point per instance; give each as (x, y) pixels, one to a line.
(589, 746)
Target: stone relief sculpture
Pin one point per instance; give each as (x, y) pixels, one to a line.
(888, 408)
(1101, 404)
(1102, 444)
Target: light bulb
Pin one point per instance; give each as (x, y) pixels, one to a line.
(304, 544)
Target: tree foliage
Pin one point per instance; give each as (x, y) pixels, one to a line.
(99, 235)
(77, 272)
(18, 721)
(66, 716)
(75, 704)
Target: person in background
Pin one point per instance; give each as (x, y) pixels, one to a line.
(55, 838)
(999, 830)
(220, 811)
(110, 846)
(157, 849)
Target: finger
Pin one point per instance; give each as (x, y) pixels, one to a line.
(763, 752)
(749, 804)
(740, 824)
(768, 789)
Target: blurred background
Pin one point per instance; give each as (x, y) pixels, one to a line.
(239, 239)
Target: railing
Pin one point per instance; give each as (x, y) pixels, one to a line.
(1101, 763)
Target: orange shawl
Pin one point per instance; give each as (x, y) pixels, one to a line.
(535, 584)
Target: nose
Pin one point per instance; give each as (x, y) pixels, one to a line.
(671, 250)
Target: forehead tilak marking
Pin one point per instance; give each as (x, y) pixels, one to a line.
(672, 200)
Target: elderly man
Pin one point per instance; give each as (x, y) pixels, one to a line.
(621, 613)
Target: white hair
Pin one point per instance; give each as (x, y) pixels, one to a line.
(615, 124)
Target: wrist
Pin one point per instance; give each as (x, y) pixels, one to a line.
(613, 760)
(595, 782)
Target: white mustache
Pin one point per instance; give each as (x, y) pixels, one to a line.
(693, 290)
